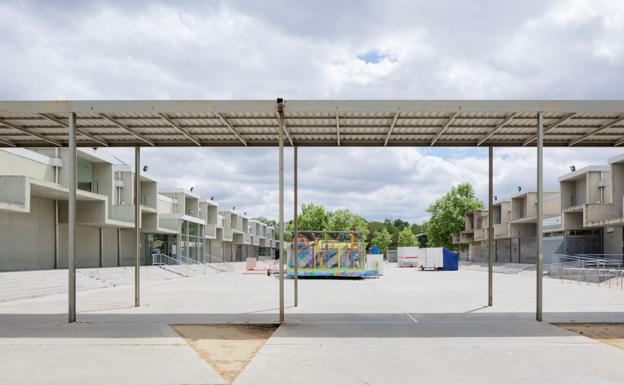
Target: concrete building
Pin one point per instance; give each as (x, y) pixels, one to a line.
(514, 222)
(594, 206)
(177, 223)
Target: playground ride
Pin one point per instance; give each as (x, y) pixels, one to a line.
(330, 254)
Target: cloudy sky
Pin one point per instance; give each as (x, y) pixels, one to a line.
(252, 49)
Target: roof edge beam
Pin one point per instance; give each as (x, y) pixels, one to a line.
(597, 130)
(495, 130)
(394, 120)
(124, 127)
(29, 132)
(444, 128)
(178, 127)
(81, 132)
(552, 126)
(229, 125)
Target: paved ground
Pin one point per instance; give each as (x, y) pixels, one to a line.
(408, 327)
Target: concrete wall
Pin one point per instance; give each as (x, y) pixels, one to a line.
(580, 191)
(528, 250)
(10, 164)
(27, 240)
(109, 249)
(617, 186)
(502, 250)
(613, 241)
(87, 246)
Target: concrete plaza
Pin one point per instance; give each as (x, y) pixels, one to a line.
(408, 327)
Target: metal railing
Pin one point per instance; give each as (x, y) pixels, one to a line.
(187, 266)
(599, 269)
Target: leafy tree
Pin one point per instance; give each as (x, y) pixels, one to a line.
(447, 215)
(382, 239)
(345, 220)
(313, 218)
(417, 229)
(394, 227)
(406, 238)
(373, 227)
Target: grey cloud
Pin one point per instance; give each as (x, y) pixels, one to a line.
(250, 49)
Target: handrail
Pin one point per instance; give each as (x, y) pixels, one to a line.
(160, 259)
(588, 268)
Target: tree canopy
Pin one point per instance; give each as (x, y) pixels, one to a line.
(447, 215)
(382, 239)
(406, 238)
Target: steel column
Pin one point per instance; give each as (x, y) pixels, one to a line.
(540, 214)
(490, 225)
(280, 110)
(137, 225)
(71, 228)
(295, 228)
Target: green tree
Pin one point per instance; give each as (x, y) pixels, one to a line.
(373, 227)
(447, 215)
(313, 218)
(382, 239)
(406, 238)
(345, 220)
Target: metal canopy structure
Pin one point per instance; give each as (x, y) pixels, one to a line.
(327, 123)
(312, 123)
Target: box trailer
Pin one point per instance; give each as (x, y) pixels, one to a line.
(428, 258)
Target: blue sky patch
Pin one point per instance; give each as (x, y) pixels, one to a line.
(373, 56)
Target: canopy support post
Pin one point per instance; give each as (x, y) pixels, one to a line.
(280, 110)
(295, 227)
(540, 215)
(71, 228)
(490, 228)
(137, 225)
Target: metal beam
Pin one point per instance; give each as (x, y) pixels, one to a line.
(540, 215)
(495, 130)
(444, 128)
(7, 142)
(296, 225)
(490, 225)
(597, 130)
(394, 120)
(137, 225)
(229, 125)
(552, 126)
(280, 110)
(126, 128)
(59, 122)
(30, 132)
(71, 222)
(175, 125)
(338, 129)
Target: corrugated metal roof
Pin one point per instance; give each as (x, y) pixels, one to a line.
(313, 122)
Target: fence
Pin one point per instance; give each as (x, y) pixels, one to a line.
(600, 269)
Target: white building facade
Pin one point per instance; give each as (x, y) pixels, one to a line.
(175, 223)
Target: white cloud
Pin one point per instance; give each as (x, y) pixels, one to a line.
(249, 49)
